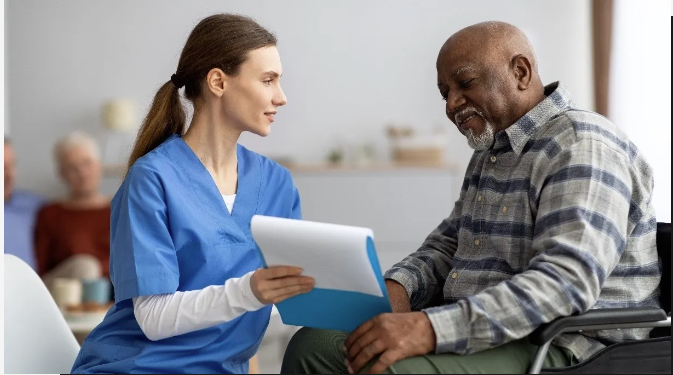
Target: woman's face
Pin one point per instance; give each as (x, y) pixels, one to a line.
(80, 170)
(252, 97)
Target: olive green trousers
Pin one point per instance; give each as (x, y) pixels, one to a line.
(315, 351)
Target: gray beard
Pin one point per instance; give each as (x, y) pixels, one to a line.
(482, 142)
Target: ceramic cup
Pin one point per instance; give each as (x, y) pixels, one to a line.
(96, 290)
(66, 292)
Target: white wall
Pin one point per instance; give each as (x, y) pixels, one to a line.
(640, 88)
(350, 66)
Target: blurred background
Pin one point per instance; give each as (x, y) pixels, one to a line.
(364, 132)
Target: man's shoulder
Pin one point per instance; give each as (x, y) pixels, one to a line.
(27, 198)
(575, 126)
(591, 125)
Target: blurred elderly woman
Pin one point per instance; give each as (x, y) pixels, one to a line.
(72, 235)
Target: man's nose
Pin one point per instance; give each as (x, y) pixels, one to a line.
(454, 101)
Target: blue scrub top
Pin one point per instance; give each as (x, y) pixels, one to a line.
(171, 231)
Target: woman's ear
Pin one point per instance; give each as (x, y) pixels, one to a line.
(216, 81)
(522, 71)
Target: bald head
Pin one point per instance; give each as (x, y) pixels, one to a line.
(492, 40)
(487, 73)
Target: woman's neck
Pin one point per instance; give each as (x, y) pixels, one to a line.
(215, 144)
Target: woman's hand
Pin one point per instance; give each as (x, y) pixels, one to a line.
(278, 283)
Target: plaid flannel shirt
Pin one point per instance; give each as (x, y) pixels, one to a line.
(555, 219)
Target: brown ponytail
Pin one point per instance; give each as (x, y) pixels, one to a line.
(166, 117)
(219, 41)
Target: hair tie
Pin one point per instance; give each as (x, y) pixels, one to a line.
(176, 81)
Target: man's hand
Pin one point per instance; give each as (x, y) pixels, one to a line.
(394, 336)
(399, 300)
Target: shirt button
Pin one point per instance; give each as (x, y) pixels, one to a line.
(476, 242)
(479, 198)
(454, 275)
(504, 209)
(493, 159)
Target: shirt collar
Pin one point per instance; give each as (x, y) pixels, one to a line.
(557, 101)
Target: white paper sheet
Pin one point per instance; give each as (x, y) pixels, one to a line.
(334, 255)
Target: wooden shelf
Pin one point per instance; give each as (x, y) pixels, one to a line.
(368, 167)
(117, 170)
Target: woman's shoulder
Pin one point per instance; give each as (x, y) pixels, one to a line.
(151, 166)
(161, 157)
(271, 170)
(153, 161)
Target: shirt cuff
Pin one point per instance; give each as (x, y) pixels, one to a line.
(252, 303)
(404, 278)
(450, 323)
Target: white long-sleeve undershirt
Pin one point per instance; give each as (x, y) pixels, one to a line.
(167, 315)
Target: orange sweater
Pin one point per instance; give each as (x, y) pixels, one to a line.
(61, 232)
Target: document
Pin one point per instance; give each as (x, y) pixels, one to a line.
(349, 287)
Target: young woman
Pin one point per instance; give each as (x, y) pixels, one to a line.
(190, 293)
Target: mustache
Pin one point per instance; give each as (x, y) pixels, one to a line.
(465, 113)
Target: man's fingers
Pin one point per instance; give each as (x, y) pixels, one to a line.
(366, 339)
(367, 354)
(361, 330)
(387, 359)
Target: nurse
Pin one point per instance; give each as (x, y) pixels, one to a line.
(191, 295)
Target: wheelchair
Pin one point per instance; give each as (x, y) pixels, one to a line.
(650, 356)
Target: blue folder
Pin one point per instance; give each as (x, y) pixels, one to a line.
(336, 309)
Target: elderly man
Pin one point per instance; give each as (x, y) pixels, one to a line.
(21, 208)
(554, 218)
(72, 236)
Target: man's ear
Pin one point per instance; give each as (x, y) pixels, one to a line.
(61, 172)
(216, 81)
(522, 70)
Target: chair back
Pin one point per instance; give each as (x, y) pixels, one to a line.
(664, 250)
(37, 337)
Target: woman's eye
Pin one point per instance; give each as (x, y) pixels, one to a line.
(268, 81)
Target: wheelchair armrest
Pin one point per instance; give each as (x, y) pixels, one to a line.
(598, 317)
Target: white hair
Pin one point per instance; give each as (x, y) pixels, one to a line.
(76, 139)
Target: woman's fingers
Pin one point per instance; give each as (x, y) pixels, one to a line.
(277, 272)
(289, 284)
(277, 283)
(290, 281)
(291, 292)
